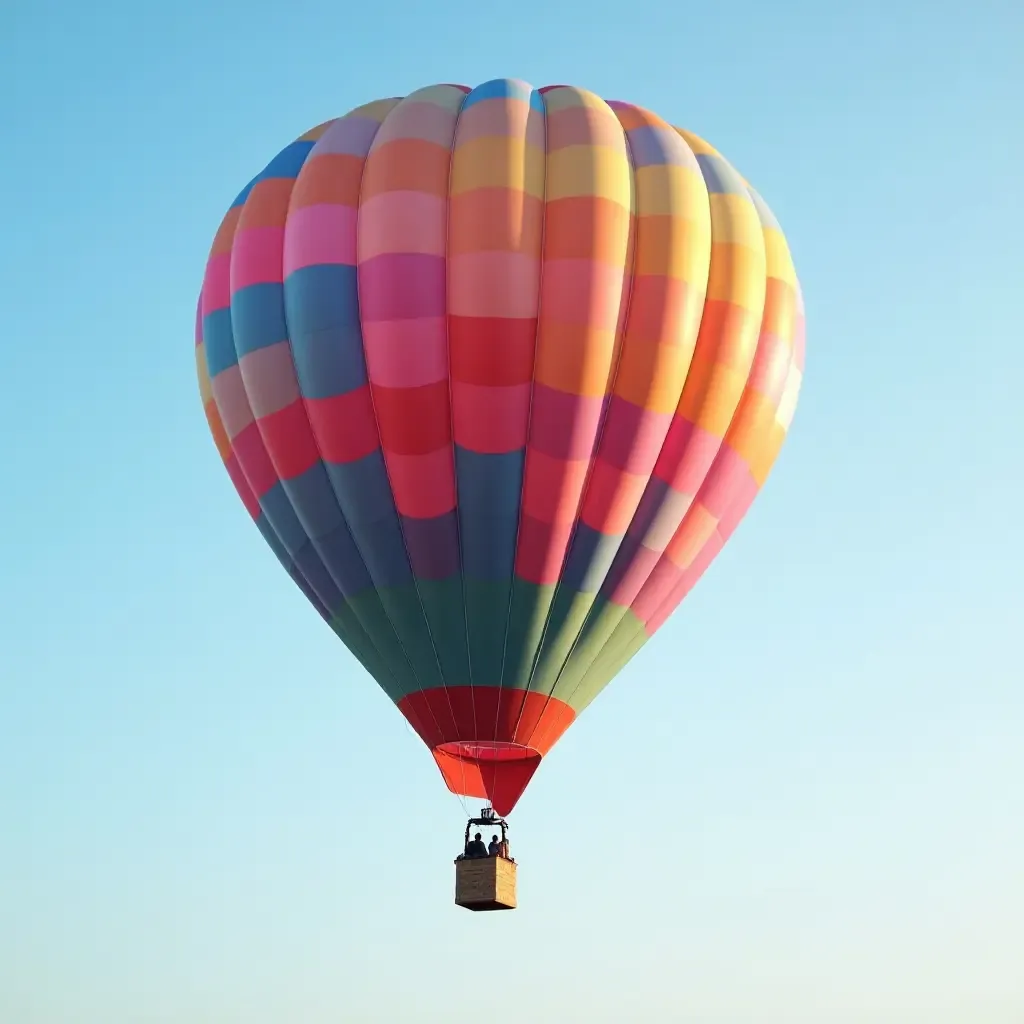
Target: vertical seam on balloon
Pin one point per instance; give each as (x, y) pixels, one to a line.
(526, 445)
(287, 562)
(312, 541)
(590, 612)
(376, 422)
(599, 434)
(755, 198)
(323, 465)
(732, 417)
(291, 567)
(330, 483)
(309, 539)
(451, 425)
(398, 518)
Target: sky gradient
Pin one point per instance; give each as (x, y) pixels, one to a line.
(801, 803)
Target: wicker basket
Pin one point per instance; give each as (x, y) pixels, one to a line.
(485, 883)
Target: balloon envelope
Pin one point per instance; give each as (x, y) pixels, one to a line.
(497, 372)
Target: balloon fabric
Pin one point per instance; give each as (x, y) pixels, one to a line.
(497, 372)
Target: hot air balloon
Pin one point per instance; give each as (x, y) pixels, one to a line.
(497, 372)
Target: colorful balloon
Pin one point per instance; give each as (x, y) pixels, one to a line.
(497, 372)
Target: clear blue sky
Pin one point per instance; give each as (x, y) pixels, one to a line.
(823, 825)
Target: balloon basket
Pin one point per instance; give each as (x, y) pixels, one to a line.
(485, 883)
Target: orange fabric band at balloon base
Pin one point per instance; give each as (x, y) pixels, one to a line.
(524, 724)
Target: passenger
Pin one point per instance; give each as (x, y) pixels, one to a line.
(476, 847)
(494, 847)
